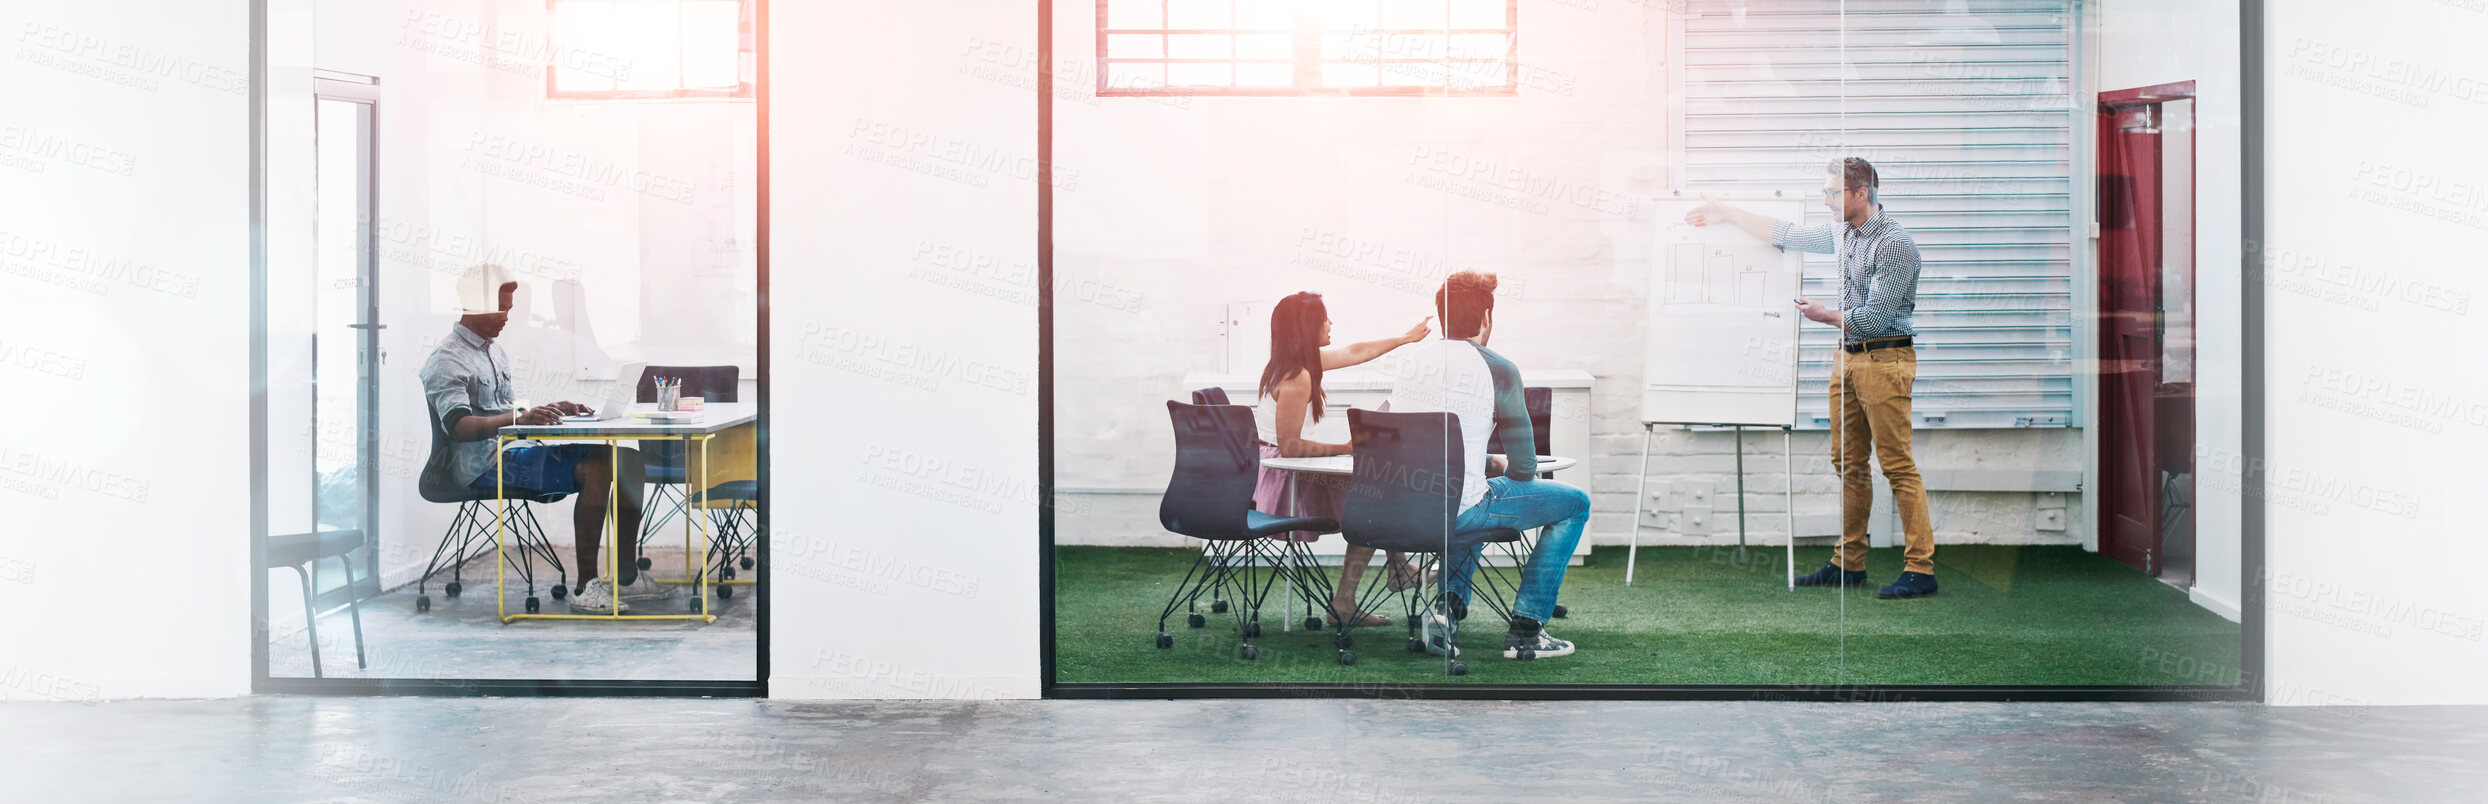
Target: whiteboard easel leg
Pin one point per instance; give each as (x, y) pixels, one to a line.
(1741, 559)
(1788, 445)
(1641, 491)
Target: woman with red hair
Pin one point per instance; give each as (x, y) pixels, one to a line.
(1291, 400)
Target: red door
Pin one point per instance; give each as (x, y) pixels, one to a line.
(2146, 439)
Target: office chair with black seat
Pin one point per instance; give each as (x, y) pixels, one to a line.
(1213, 552)
(733, 506)
(470, 529)
(1506, 580)
(1210, 497)
(1405, 496)
(302, 552)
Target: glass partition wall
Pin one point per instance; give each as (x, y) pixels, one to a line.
(1862, 344)
(512, 357)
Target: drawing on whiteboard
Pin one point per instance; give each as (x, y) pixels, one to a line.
(1722, 276)
(1722, 333)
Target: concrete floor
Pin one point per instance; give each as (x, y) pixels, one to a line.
(616, 750)
(462, 637)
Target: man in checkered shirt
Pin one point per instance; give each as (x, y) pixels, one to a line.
(1873, 371)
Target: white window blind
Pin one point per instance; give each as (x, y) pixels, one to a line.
(1965, 108)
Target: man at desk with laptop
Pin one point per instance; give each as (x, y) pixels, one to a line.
(467, 386)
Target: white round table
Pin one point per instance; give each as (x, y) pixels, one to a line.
(1342, 464)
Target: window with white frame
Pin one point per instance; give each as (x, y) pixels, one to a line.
(1307, 47)
(649, 49)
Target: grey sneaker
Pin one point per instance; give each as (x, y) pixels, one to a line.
(596, 597)
(646, 588)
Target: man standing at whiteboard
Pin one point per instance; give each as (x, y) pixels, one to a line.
(1873, 371)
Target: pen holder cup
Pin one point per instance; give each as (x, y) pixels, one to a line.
(668, 398)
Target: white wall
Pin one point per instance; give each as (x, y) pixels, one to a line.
(2377, 199)
(904, 556)
(124, 257)
(1184, 205)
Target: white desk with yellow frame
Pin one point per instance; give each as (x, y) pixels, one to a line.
(730, 425)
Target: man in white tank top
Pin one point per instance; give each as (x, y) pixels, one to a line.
(1459, 375)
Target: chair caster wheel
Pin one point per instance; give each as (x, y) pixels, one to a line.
(1560, 611)
(1252, 628)
(1457, 668)
(727, 573)
(533, 605)
(561, 590)
(644, 563)
(453, 589)
(1415, 646)
(1165, 640)
(1347, 658)
(1251, 653)
(1218, 607)
(1312, 623)
(423, 603)
(1343, 642)
(747, 562)
(1195, 620)
(725, 592)
(1526, 654)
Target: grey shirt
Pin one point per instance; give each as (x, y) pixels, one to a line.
(1878, 272)
(468, 375)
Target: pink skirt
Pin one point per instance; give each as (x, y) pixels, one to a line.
(1298, 494)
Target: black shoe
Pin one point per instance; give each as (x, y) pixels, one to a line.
(1909, 585)
(1528, 639)
(1832, 575)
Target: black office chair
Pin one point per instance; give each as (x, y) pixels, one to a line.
(1211, 551)
(1210, 498)
(470, 529)
(736, 533)
(1406, 497)
(301, 552)
(1541, 403)
(666, 463)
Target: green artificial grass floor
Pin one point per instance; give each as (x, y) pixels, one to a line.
(2007, 615)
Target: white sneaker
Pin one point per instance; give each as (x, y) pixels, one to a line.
(596, 598)
(646, 588)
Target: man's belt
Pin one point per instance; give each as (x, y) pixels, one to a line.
(1854, 347)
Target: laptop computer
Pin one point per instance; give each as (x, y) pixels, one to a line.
(617, 401)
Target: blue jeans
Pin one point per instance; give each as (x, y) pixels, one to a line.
(1524, 505)
(539, 469)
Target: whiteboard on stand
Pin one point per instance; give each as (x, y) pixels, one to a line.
(1723, 319)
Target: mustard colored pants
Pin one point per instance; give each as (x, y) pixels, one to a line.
(1870, 416)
